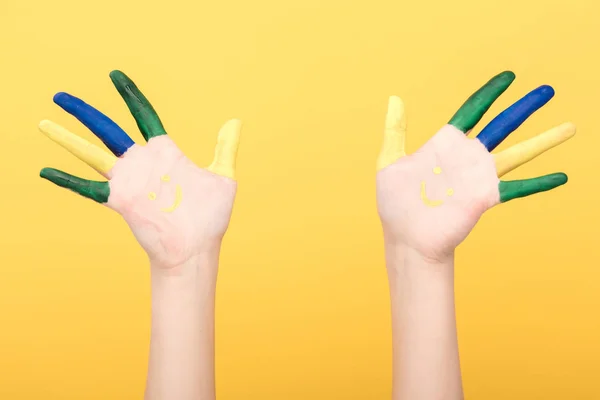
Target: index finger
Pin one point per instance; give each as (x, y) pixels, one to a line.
(145, 116)
(471, 112)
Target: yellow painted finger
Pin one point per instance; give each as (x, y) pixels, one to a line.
(526, 151)
(87, 152)
(226, 151)
(394, 135)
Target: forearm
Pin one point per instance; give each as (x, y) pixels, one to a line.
(425, 347)
(181, 361)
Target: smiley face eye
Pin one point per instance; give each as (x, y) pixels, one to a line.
(164, 178)
(437, 171)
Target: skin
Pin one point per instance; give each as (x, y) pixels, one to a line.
(179, 214)
(461, 180)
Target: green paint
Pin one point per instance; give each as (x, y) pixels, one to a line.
(147, 119)
(98, 191)
(510, 190)
(473, 109)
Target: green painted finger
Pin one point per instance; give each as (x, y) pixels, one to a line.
(510, 190)
(147, 119)
(98, 191)
(469, 114)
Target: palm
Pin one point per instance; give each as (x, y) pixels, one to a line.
(432, 199)
(168, 221)
(173, 207)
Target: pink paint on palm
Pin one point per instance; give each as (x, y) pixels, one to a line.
(146, 180)
(460, 184)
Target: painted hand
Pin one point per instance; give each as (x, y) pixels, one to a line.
(432, 199)
(174, 208)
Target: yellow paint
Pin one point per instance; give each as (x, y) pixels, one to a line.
(394, 136)
(429, 203)
(523, 152)
(426, 200)
(87, 152)
(304, 246)
(178, 197)
(226, 150)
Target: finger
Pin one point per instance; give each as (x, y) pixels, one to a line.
(226, 150)
(147, 119)
(469, 114)
(97, 191)
(87, 152)
(511, 118)
(510, 190)
(394, 136)
(110, 133)
(526, 151)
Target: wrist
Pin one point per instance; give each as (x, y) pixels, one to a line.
(411, 275)
(181, 362)
(197, 276)
(399, 252)
(186, 292)
(408, 267)
(200, 262)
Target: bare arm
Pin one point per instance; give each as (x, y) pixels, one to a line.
(428, 202)
(178, 213)
(425, 347)
(181, 362)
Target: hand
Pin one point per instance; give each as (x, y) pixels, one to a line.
(429, 201)
(175, 209)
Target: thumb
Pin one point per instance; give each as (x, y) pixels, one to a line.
(226, 150)
(394, 135)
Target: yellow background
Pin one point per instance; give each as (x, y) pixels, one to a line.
(302, 307)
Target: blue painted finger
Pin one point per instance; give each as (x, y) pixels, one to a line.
(511, 118)
(109, 132)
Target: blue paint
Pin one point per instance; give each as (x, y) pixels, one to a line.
(511, 118)
(109, 132)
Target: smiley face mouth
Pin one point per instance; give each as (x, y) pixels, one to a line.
(426, 200)
(176, 203)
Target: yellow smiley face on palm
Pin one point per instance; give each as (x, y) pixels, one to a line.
(477, 151)
(433, 203)
(178, 195)
(123, 146)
